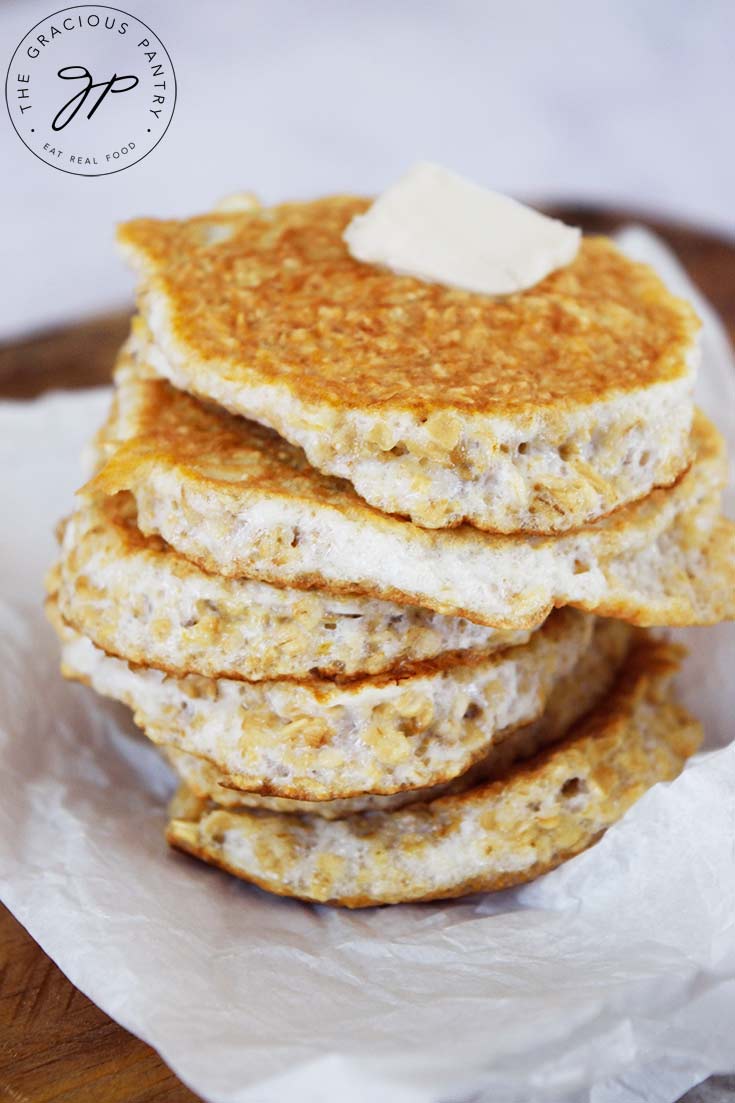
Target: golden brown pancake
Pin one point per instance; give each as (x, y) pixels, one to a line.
(137, 598)
(490, 837)
(537, 411)
(573, 695)
(239, 501)
(318, 739)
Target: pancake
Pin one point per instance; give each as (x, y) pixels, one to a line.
(140, 600)
(237, 500)
(535, 412)
(572, 696)
(489, 837)
(319, 739)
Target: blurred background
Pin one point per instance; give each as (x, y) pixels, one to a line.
(628, 103)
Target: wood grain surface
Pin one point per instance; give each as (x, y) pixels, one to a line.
(55, 1045)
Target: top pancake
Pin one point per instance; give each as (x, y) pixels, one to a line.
(537, 411)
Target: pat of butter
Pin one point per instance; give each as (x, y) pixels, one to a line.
(439, 227)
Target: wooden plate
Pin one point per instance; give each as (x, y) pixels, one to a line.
(55, 1045)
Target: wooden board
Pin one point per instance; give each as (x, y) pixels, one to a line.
(56, 1046)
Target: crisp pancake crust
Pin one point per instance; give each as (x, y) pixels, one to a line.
(239, 501)
(276, 293)
(537, 411)
(489, 837)
(320, 740)
(137, 598)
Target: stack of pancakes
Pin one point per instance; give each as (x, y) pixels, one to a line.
(372, 560)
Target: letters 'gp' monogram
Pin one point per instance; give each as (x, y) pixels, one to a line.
(66, 113)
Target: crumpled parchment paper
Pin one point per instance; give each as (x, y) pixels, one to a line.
(609, 980)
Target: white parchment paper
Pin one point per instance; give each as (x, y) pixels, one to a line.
(610, 980)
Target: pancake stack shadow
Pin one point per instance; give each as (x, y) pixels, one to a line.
(375, 562)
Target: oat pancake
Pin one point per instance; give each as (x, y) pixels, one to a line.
(572, 696)
(137, 598)
(239, 501)
(537, 411)
(507, 831)
(320, 739)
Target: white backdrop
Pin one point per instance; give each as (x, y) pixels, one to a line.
(626, 101)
